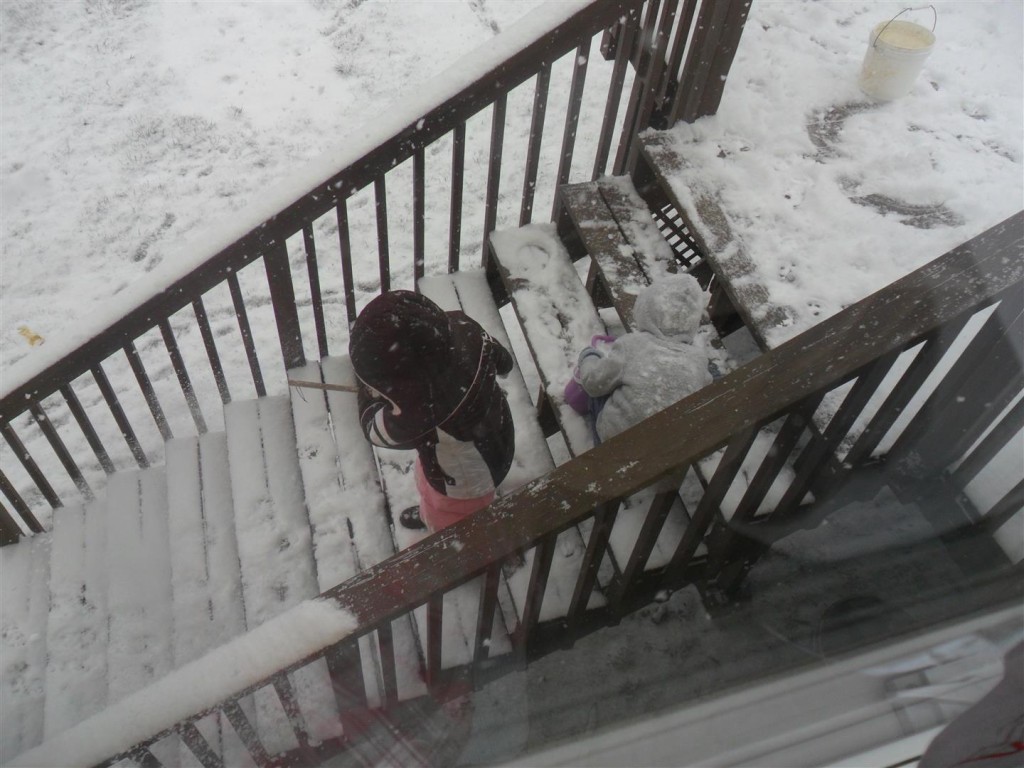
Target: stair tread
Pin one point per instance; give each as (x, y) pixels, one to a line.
(616, 230)
(532, 261)
(274, 542)
(347, 508)
(139, 586)
(556, 313)
(76, 630)
(23, 620)
(206, 579)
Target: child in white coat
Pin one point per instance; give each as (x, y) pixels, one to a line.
(658, 363)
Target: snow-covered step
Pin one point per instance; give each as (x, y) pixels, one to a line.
(76, 629)
(468, 290)
(612, 224)
(348, 514)
(556, 314)
(275, 553)
(24, 578)
(205, 574)
(139, 581)
(558, 319)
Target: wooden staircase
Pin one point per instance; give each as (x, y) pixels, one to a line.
(237, 526)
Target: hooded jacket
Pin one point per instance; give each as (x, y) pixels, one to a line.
(654, 366)
(429, 383)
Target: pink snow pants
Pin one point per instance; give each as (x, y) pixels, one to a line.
(439, 511)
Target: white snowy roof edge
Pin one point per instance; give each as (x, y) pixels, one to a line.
(197, 686)
(406, 110)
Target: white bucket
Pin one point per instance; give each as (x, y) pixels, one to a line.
(896, 53)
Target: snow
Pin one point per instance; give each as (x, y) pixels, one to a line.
(284, 640)
(789, 174)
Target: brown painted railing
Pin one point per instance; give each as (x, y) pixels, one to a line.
(967, 304)
(70, 424)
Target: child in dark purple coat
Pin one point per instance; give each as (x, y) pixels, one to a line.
(428, 382)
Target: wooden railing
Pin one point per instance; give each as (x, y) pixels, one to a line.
(207, 335)
(967, 304)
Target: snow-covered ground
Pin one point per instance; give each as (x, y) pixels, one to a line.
(129, 124)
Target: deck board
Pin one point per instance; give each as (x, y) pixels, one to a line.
(76, 631)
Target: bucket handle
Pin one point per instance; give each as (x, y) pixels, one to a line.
(935, 19)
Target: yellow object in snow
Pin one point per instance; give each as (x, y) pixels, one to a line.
(33, 338)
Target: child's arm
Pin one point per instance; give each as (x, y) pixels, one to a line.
(600, 372)
(377, 420)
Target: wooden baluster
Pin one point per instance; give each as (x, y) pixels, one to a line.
(199, 746)
(934, 348)
(626, 39)
(135, 361)
(735, 452)
(540, 108)
(543, 554)
(178, 364)
(969, 361)
(990, 446)
(143, 758)
(30, 466)
(247, 733)
(458, 172)
(435, 637)
(75, 406)
(29, 519)
(494, 170)
(119, 416)
(286, 693)
(346, 670)
(282, 298)
(485, 614)
(642, 62)
(657, 513)
(597, 547)
(10, 531)
(418, 214)
(61, 451)
(345, 246)
(211, 350)
(572, 117)
(386, 643)
(380, 196)
(721, 546)
(988, 392)
(246, 332)
(670, 80)
(652, 78)
(811, 461)
(1004, 510)
(314, 290)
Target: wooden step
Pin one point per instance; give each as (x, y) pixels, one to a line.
(206, 579)
(609, 222)
(348, 514)
(76, 629)
(275, 551)
(205, 576)
(555, 312)
(139, 581)
(23, 618)
(558, 319)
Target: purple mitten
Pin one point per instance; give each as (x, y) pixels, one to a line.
(575, 395)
